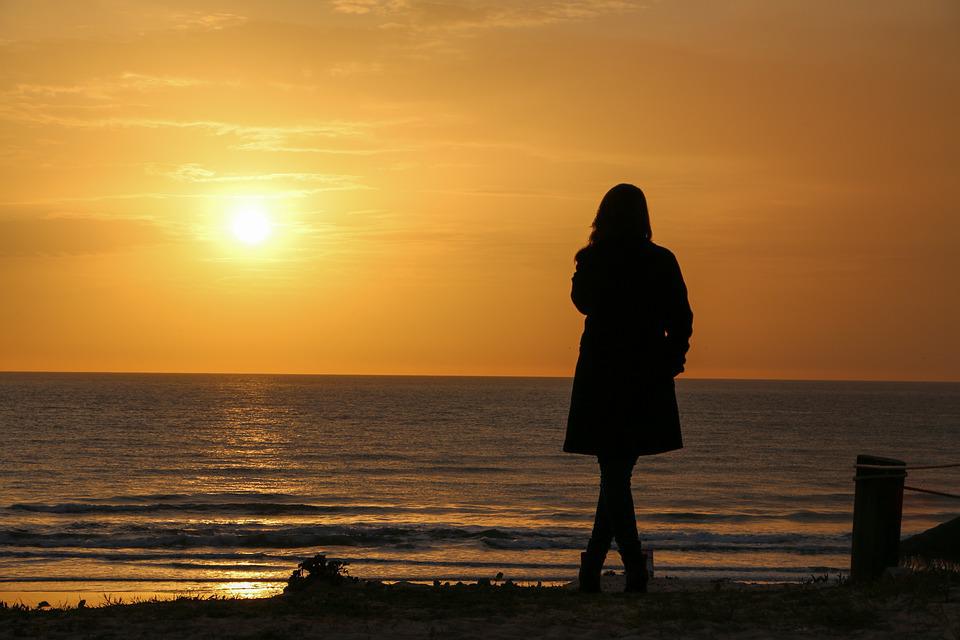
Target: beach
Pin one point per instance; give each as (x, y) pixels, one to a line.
(925, 605)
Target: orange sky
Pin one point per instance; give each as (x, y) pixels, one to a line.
(430, 168)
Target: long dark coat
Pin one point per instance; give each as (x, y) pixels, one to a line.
(635, 339)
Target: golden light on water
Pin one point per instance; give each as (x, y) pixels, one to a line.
(248, 589)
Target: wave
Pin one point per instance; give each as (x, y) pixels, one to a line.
(270, 505)
(284, 563)
(804, 515)
(228, 508)
(174, 503)
(139, 556)
(244, 536)
(144, 536)
(697, 541)
(199, 497)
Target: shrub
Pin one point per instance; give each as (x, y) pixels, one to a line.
(317, 571)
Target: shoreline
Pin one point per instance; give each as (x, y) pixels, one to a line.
(58, 593)
(916, 605)
(132, 591)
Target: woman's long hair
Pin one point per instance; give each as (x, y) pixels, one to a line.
(622, 218)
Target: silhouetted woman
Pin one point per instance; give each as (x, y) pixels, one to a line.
(635, 339)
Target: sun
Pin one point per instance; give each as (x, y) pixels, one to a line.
(250, 224)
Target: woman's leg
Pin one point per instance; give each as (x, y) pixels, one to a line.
(614, 519)
(602, 534)
(615, 508)
(591, 561)
(622, 519)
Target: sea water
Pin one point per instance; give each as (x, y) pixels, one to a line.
(115, 483)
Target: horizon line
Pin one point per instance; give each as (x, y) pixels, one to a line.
(445, 375)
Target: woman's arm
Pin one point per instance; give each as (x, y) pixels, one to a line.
(583, 289)
(679, 319)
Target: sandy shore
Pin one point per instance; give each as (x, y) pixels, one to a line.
(914, 606)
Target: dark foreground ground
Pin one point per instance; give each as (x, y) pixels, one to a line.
(911, 606)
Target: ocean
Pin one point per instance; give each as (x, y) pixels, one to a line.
(220, 484)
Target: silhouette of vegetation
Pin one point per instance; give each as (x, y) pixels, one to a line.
(318, 571)
(938, 547)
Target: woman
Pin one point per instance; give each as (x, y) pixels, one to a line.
(635, 339)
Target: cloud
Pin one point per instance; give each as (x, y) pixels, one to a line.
(207, 21)
(308, 137)
(483, 14)
(102, 88)
(195, 173)
(73, 236)
(262, 138)
(276, 194)
(143, 81)
(368, 6)
(44, 20)
(354, 68)
(256, 134)
(511, 193)
(187, 172)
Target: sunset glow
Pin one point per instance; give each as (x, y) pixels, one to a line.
(424, 172)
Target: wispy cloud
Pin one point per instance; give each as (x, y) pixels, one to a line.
(40, 21)
(354, 68)
(512, 193)
(267, 137)
(103, 88)
(272, 194)
(221, 128)
(369, 6)
(196, 173)
(307, 138)
(482, 14)
(207, 21)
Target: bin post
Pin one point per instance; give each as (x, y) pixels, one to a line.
(877, 510)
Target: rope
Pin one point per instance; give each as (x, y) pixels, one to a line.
(900, 472)
(899, 476)
(911, 468)
(931, 491)
(938, 466)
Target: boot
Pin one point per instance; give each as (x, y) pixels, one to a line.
(635, 569)
(591, 565)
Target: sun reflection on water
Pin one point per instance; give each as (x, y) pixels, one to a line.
(247, 589)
